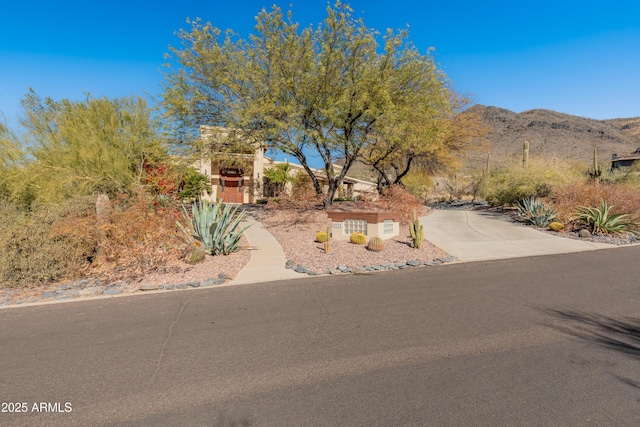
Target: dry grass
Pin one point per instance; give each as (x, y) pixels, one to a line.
(568, 198)
(137, 239)
(30, 253)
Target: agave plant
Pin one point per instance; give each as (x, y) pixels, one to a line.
(535, 211)
(215, 225)
(601, 220)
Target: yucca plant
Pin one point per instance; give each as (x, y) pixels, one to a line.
(215, 225)
(535, 211)
(601, 220)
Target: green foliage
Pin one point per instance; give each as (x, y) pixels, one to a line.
(556, 226)
(322, 236)
(507, 186)
(279, 176)
(417, 231)
(193, 184)
(358, 238)
(601, 220)
(216, 226)
(535, 211)
(80, 148)
(418, 183)
(327, 90)
(376, 244)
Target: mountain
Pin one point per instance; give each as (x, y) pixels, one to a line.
(553, 134)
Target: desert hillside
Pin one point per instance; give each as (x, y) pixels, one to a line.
(552, 134)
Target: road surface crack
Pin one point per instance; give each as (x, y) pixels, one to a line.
(169, 335)
(322, 307)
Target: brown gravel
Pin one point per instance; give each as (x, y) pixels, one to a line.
(295, 231)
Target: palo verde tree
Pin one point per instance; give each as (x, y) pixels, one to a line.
(430, 137)
(332, 90)
(96, 145)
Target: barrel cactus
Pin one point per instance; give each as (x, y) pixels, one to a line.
(376, 244)
(322, 237)
(556, 226)
(358, 238)
(195, 252)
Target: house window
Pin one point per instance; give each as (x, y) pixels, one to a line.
(388, 226)
(353, 225)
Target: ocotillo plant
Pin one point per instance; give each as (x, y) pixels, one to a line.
(525, 154)
(417, 233)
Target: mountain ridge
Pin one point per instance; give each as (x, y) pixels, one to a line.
(554, 134)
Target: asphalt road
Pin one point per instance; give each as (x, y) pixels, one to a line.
(552, 340)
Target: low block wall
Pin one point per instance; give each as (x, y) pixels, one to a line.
(382, 224)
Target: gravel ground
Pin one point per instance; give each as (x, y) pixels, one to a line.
(295, 231)
(213, 271)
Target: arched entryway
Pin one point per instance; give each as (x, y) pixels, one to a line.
(231, 185)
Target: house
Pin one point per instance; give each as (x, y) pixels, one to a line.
(237, 175)
(625, 161)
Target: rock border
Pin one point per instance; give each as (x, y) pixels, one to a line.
(385, 266)
(93, 287)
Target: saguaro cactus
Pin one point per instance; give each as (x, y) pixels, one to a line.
(596, 170)
(487, 169)
(525, 154)
(417, 232)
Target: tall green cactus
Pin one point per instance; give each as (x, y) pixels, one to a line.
(417, 232)
(525, 154)
(487, 169)
(596, 170)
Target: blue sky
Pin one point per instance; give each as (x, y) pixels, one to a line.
(576, 57)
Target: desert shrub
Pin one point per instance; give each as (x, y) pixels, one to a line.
(32, 253)
(418, 183)
(192, 184)
(509, 185)
(302, 187)
(138, 238)
(626, 175)
(535, 211)
(602, 220)
(395, 199)
(569, 197)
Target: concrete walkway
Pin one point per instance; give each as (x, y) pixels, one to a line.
(267, 257)
(466, 235)
(482, 235)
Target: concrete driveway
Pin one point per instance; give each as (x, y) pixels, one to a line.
(483, 235)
